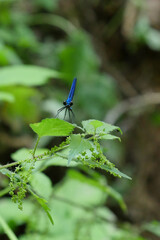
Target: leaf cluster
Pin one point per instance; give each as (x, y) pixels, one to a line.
(79, 149)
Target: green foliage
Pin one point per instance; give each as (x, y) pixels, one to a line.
(78, 145)
(78, 203)
(153, 227)
(100, 183)
(42, 202)
(4, 96)
(12, 215)
(82, 148)
(98, 127)
(49, 5)
(145, 34)
(17, 93)
(52, 127)
(7, 230)
(23, 102)
(72, 56)
(41, 184)
(78, 58)
(25, 75)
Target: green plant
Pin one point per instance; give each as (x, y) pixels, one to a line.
(81, 149)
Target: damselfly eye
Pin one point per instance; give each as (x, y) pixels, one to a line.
(64, 103)
(71, 103)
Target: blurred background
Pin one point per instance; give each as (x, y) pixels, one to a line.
(113, 48)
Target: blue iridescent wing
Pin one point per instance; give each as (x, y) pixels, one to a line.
(72, 90)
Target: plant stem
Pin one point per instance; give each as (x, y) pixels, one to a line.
(36, 147)
(4, 191)
(7, 229)
(9, 165)
(38, 156)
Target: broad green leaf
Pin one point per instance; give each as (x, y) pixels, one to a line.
(24, 104)
(114, 171)
(8, 56)
(78, 206)
(107, 189)
(96, 124)
(77, 146)
(26, 75)
(81, 193)
(4, 96)
(41, 184)
(97, 127)
(25, 153)
(52, 127)
(11, 214)
(43, 204)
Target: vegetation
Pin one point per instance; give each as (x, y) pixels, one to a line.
(60, 180)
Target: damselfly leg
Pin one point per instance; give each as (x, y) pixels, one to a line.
(60, 110)
(65, 113)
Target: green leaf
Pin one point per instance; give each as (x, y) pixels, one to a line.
(109, 137)
(153, 227)
(141, 29)
(96, 123)
(52, 127)
(11, 214)
(25, 153)
(77, 145)
(79, 44)
(153, 39)
(43, 204)
(4, 96)
(49, 5)
(107, 189)
(8, 56)
(80, 192)
(97, 127)
(26, 75)
(24, 104)
(41, 184)
(112, 170)
(6, 172)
